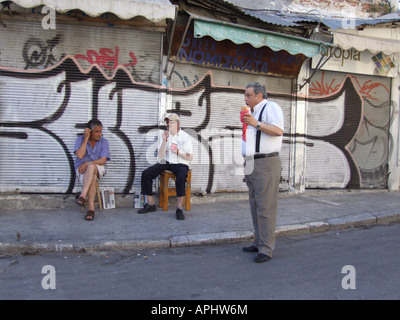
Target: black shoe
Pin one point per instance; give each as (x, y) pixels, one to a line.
(148, 208)
(250, 249)
(179, 214)
(261, 257)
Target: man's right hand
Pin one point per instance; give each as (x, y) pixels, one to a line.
(86, 133)
(165, 136)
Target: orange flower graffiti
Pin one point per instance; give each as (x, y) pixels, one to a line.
(366, 90)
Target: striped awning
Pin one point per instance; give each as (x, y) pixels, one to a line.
(153, 10)
(239, 34)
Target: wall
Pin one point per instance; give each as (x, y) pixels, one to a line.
(346, 8)
(52, 82)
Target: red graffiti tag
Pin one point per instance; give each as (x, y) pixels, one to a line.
(106, 58)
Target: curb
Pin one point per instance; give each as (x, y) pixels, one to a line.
(177, 241)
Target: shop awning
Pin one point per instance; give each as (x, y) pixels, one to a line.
(239, 34)
(153, 10)
(361, 43)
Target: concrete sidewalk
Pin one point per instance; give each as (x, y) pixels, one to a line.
(211, 220)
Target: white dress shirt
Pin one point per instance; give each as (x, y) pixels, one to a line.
(272, 115)
(184, 143)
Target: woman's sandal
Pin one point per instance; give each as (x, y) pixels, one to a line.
(89, 215)
(81, 201)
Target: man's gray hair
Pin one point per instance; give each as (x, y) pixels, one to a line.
(258, 88)
(94, 123)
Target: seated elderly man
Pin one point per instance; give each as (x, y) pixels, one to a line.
(92, 152)
(175, 153)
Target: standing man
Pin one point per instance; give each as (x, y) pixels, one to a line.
(175, 152)
(92, 152)
(261, 152)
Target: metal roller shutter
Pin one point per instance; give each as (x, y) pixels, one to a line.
(53, 81)
(348, 139)
(209, 102)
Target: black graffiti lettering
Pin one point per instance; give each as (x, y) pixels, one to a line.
(37, 54)
(200, 91)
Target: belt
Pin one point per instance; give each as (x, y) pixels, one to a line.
(263, 155)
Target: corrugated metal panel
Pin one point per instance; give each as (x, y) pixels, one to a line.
(348, 139)
(271, 17)
(53, 81)
(209, 102)
(291, 19)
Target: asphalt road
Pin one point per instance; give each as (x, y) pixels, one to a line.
(351, 264)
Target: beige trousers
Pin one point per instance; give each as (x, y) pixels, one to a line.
(263, 184)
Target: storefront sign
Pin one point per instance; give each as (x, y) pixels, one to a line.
(243, 57)
(364, 62)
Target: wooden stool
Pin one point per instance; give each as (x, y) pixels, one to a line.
(97, 199)
(166, 191)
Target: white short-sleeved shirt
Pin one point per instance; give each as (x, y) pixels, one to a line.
(184, 143)
(273, 115)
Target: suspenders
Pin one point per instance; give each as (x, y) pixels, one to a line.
(258, 136)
